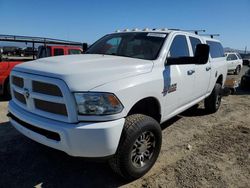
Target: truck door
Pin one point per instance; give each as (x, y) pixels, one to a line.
(202, 72)
(178, 79)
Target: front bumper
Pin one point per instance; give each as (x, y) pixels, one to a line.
(84, 139)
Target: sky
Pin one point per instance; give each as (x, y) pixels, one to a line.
(88, 20)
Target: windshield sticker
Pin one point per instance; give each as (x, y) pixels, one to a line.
(162, 35)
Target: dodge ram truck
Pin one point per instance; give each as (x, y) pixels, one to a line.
(109, 103)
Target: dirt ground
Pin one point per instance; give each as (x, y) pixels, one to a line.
(198, 150)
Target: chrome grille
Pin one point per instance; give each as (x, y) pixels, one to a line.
(43, 96)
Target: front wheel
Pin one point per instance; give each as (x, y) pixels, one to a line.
(139, 147)
(213, 101)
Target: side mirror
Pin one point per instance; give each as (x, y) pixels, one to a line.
(202, 53)
(201, 57)
(84, 47)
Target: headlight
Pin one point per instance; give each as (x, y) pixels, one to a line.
(97, 103)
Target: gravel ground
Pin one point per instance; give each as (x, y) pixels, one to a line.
(198, 150)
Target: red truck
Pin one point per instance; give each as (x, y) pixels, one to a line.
(47, 51)
(49, 47)
(5, 68)
(43, 51)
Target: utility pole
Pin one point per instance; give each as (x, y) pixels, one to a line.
(246, 50)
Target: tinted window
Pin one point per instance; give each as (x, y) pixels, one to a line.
(179, 47)
(43, 52)
(231, 57)
(74, 51)
(58, 51)
(112, 45)
(136, 45)
(216, 49)
(194, 41)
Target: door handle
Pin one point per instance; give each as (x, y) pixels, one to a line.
(208, 68)
(190, 72)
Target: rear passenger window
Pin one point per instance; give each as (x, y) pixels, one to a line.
(216, 49)
(58, 51)
(194, 41)
(179, 47)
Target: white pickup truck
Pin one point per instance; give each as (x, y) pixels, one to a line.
(111, 101)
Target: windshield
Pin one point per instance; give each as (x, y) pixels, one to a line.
(136, 45)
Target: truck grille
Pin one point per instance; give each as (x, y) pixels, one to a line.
(17, 81)
(51, 107)
(45, 88)
(43, 96)
(19, 97)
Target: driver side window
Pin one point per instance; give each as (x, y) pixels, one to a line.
(179, 47)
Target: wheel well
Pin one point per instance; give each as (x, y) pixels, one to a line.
(148, 106)
(220, 80)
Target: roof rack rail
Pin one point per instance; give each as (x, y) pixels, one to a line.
(211, 35)
(38, 40)
(43, 40)
(196, 31)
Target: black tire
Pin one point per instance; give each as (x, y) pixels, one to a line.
(237, 70)
(213, 101)
(242, 84)
(124, 162)
(232, 91)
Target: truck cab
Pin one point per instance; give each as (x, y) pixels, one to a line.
(47, 51)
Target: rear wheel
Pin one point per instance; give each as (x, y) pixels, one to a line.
(139, 147)
(213, 101)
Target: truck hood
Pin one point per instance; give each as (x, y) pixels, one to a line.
(85, 72)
